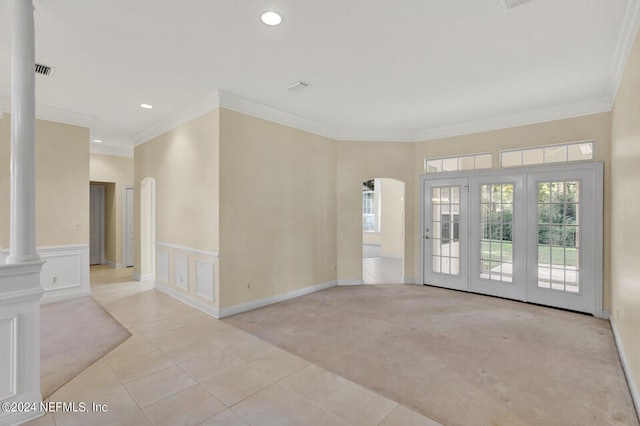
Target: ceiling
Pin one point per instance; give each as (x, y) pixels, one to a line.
(406, 70)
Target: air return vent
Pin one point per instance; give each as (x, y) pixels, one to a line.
(298, 85)
(45, 70)
(510, 4)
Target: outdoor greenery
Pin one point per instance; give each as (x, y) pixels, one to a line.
(546, 254)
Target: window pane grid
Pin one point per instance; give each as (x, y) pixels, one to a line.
(496, 240)
(558, 236)
(579, 151)
(445, 225)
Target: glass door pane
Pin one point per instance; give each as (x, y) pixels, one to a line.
(558, 236)
(445, 231)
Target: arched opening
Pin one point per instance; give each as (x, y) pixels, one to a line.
(383, 231)
(147, 228)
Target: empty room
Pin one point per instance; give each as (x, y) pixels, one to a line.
(365, 213)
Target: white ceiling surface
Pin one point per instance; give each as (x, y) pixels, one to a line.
(408, 70)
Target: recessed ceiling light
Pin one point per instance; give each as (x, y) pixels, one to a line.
(97, 140)
(271, 18)
(146, 106)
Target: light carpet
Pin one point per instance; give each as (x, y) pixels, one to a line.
(459, 358)
(73, 335)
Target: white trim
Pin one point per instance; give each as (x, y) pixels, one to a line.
(187, 249)
(391, 255)
(350, 282)
(124, 222)
(183, 297)
(114, 265)
(58, 115)
(65, 294)
(253, 108)
(628, 32)
(243, 307)
(112, 150)
(606, 314)
(205, 105)
(633, 387)
(222, 99)
(531, 117)
(145, 277)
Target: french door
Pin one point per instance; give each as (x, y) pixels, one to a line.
(534, 234)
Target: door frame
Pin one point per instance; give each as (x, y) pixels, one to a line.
(125, 251)
(102, 207)
(598, 188)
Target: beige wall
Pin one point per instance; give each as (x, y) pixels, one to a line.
(358, 162)
(115, 173)
(625, 232)
(596, 127)
(277, 209)
(392, 219)
(62, 177)
(184, 163)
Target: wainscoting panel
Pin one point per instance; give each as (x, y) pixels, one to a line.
(205, 280)
(162, 265)
(181, 269)
(8, 348)
(65, 273)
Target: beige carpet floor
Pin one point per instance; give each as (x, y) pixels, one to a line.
(74, 334)
(459, 358)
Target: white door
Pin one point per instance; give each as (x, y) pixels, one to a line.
(497, 258)
(128, 223)
(564, 235)
(445, 233)
(96, 224)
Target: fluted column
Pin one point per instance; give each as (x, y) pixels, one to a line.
(23, 106)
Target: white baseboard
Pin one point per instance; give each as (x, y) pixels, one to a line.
(391, 255)
(59, 296)
(411, 280)
(633, 387)
(143, 277)
(606, 314)
(114, 265)
(350, 282)
(232, 310)
(189, 300)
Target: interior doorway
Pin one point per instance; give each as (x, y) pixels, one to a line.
(96, 225)
(382, 231)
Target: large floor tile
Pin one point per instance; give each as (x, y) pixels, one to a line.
(160, 385)
(226, 418)
(131, 369)
(132, 347)
(338, 395)
(236, 384)
(186, 408)
(190, 349)
(117, 404)
(276, 363)
(279, 406)
(88, 384)
(213, 363)
(402, 416)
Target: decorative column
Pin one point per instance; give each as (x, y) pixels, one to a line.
(23, 117)
(20, 289)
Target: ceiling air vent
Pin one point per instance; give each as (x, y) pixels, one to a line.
(510, 4)
(45, 70)
(298, 85)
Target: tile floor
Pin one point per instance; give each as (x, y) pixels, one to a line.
(183, 367)
(377, 269)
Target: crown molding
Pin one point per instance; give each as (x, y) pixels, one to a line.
(628, 32)
(256, 109)
(59, 115)
(113, 150)
(538, 116)
(203, 106)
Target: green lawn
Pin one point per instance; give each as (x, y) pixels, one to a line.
(492, 252)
